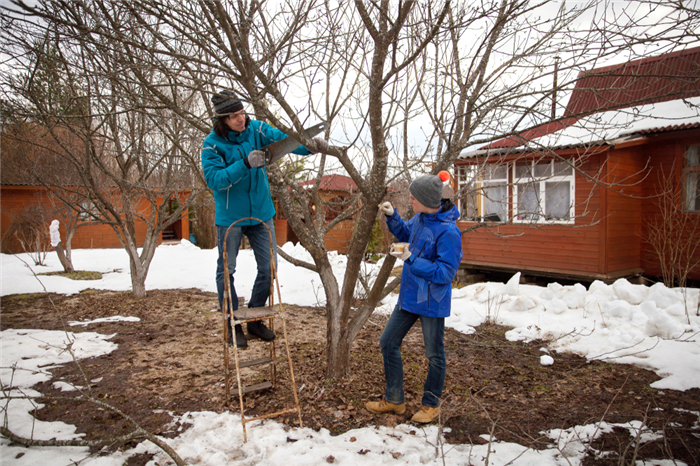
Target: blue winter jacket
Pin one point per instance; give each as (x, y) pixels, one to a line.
(240, 191)
(436, 251)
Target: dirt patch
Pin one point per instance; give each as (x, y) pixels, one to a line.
(171, 362)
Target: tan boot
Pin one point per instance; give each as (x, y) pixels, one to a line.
(384, 407)
(426, 414)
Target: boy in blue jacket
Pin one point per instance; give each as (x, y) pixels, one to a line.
(234, 167)
(430, 264)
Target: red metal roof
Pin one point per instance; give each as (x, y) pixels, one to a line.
(662, 78)
(662, 129)
(333, 183)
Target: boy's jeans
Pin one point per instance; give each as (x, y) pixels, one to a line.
(396, 329)
(260, 242)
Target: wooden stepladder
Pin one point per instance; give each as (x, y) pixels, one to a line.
(269, 313)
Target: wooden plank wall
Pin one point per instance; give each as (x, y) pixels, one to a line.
(607, 240)
(566, 249)
(339, 238)
(665, 152)
(623, 227)
(14, 199)
(281, 231)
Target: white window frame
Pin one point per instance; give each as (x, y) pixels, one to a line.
(88, 212)
(541, 176)
(463, 176)
(489, 179)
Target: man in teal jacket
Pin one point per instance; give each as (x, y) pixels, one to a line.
(234, 167)
(429, 265)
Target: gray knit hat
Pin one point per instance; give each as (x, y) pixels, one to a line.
(427, 189)
(226, 102)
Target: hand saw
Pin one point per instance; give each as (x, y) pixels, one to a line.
(278, 149)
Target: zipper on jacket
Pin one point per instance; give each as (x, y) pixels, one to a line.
(429, 283)
(250, 199)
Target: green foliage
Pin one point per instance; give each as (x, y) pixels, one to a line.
(375, 240)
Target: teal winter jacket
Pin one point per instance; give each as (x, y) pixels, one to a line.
(436, 251)
(240, 191)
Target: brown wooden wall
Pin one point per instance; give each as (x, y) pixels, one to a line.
(607, 241)
(665, 152)
(623, 203)
(338, 239)
(14, 199)
(558, 249)
(281, 228)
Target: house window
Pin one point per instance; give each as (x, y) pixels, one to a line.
(493, 193)
(88, 212)
(466, 192)
(543, 191)
(691, 178)
(482, 192)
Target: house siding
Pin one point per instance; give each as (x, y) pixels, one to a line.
(551, 249)
(14, 199)
(608, 239)
(665, 152)
(623, 226)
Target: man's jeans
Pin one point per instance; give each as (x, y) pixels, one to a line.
(259, 239)
(396, 329)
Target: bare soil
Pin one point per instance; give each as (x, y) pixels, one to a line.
(171, 362)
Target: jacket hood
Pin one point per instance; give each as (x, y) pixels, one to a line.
(448, 213)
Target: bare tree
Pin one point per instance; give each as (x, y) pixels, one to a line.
(112, 154)
(673, 232)
(30, 229)
(403, 85)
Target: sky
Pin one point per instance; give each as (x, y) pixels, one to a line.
(619, 323)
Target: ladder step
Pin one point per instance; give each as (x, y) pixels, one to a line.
(254, 388)
(253, 313)
(251, 362)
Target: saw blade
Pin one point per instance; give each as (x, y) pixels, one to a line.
(278, 149)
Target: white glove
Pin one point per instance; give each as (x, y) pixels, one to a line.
(386, 208)
(322, 145)
(255, 159)
(402, 255)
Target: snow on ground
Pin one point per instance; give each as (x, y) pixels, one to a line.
(653, 327)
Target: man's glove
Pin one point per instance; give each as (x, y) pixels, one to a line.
(255, 159)
(401, 255)
(386, 208)
(322, 145)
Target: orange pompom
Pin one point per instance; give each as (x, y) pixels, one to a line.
(444, 176)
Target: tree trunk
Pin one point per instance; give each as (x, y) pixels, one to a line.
(338, 364)
(341, 339)
(139, 265)
(138, 279)
(65, 262)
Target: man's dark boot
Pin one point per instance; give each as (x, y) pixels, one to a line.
(241, 340)
(230, 332)
(258, 329)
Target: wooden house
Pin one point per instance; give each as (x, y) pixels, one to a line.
(31, 154)
(566, 200)
(334, 190)
(18, 198)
